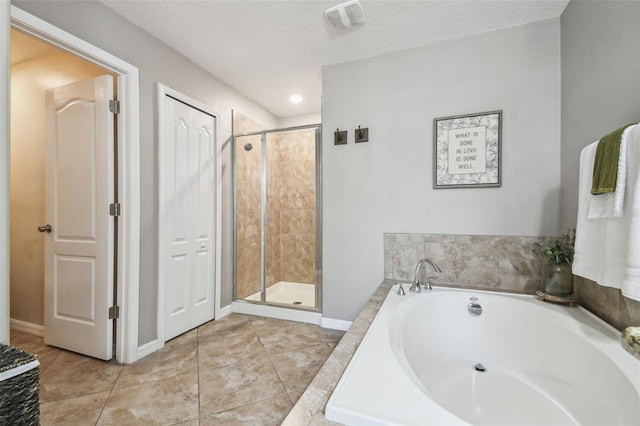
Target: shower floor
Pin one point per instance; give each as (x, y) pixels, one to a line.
(289, 293)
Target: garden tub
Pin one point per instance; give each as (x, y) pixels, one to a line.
(451, 356)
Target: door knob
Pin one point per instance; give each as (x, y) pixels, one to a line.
(46, 228)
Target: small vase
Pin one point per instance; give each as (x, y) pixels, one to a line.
(557, 279)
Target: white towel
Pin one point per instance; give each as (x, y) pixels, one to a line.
(631, 283)
(604, 246)
(611, 204)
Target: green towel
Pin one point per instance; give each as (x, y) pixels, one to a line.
(605, 166)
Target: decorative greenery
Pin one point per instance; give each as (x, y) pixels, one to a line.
(561, 250)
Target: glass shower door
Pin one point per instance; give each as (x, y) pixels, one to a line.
(276, 218)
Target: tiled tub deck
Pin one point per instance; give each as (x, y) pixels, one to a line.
(309, 410)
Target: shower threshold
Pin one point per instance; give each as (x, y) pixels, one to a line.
(288, 293)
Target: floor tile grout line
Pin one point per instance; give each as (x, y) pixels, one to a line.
(298, 350)
(276, 370)
(247, 361)
(278, 373)
(284, 386)
(109, 396)
(319, 339)
(160, 380)
(53, 360)
(72, 397)
(57, 355)
(156, 379)
(38, 340)
(235, 407)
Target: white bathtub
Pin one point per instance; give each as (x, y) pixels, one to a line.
(544, 365)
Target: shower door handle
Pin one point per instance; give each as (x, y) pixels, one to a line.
(45, 228)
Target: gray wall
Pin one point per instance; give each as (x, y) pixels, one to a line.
(385, 185)
(600, 92)
(100, 26)
(600, 81)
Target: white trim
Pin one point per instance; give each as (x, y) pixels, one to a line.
(335, 324)
(162, 91)
(27, 327)
(224, 311)
(149, 348)
(128, 166)
(4, 172)
(276, 312)
(154, 345)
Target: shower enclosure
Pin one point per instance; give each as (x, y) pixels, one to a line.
(277, 210)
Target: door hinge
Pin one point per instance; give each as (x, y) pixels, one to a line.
(114, 312)
(114, 106)
(114, 209)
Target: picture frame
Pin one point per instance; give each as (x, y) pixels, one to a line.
(467, 150)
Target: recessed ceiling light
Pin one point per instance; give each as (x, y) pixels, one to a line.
(295, 98)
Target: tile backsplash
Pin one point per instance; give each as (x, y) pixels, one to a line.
(491, 262)
(607, 303)
(496, 262)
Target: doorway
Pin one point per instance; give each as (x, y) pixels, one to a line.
(277, 216)
(35, 68)
(127, 161)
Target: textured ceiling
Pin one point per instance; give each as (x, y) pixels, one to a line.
(269, 49)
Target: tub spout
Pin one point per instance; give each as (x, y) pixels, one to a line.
(400, 290)
(415, 287)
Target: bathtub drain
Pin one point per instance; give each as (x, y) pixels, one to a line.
(297, 303)
(479, 367)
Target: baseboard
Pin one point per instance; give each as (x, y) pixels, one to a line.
(154, 345)
(149, 348)
(26, 327)
(224, 311)
(335, 324)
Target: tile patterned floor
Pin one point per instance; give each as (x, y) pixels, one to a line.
(238, 370)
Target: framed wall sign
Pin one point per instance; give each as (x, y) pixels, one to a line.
(466, 150)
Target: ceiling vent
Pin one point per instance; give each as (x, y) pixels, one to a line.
(345, 15)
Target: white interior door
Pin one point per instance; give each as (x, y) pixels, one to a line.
(187, 259)
(79, 188)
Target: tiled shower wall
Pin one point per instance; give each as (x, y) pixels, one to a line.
(274, 209)
(493, 262)
(490, 262)
(248, 181)
(290, 206)
(298, 205)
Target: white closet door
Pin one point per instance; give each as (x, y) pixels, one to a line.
(79, 245)
(188, 193)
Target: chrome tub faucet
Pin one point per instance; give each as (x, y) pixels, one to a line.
(415, 287)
